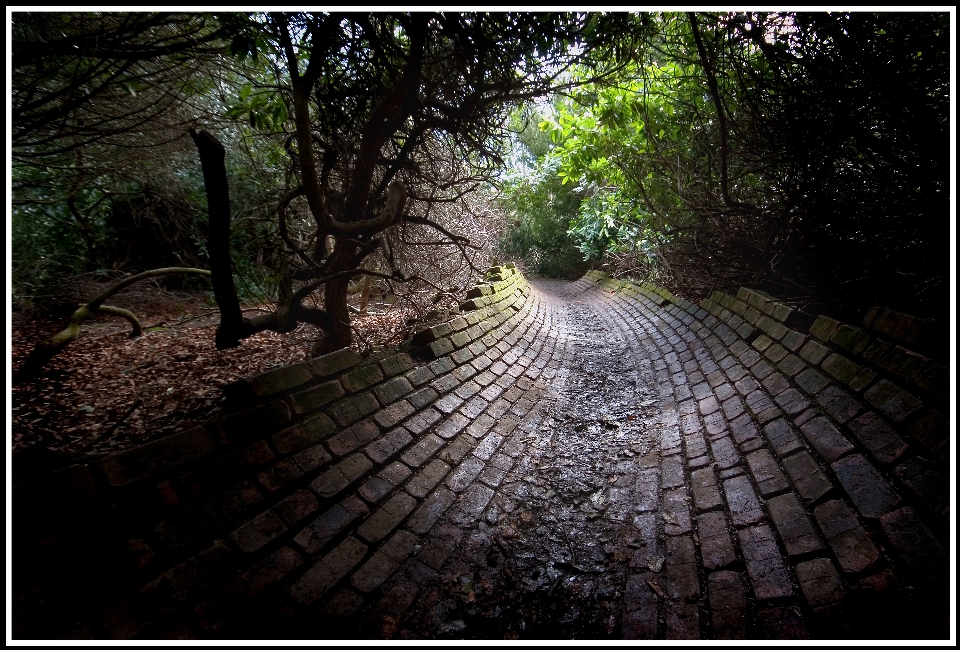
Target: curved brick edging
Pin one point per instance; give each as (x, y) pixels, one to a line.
(900, 432)
(310, 431)
(339, 472)
(788, 406)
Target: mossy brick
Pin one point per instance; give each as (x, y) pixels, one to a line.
(840, 367)
(727, 301)
(327, 572)
(745, 331)
(434, 333)
(437, 349)
(331, 523)
(333, 363)
(393, 390)
(375, 488)
(793, 340)
(824, 327)
(761, 301)
(849, 541)
(395, 365)
(362, 378)
(423, 397)
(310, 400)
(782, 312)
(870, 493)
(473, 318)
(813, 352)
(341, 475)
(883, 443)
(791, 365)
(479, 290)
(349, 410)
(892, 401)
(775, 353)
(739, 307)
(850, 338)
(396, 472)
(458, 323)
(772, 328)
(460, 339)
(154, 458)
(423, 451)
(280, 475)
(727, 335)
(254, 423)
(271, 382)
(762, 342)
(297, 437)
(826, 439)
(752, 315)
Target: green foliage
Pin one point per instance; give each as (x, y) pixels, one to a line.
(541, 208)
(804, 153)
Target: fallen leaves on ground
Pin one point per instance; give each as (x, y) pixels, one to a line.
(106, 391)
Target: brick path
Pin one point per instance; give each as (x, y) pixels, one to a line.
(581, 460)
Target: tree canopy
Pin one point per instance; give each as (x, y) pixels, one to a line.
(805, 153)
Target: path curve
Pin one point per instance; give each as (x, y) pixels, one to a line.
(609, 468)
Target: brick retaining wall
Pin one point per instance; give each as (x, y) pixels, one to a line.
(144, 517)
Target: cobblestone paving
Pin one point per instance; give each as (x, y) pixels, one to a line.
(613, 482)
(599, 467)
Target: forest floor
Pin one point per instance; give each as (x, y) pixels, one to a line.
(107, 391)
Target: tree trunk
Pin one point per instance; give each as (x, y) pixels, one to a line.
(212, 153)
(339, 335)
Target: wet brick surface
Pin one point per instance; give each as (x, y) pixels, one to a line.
(589, 460)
